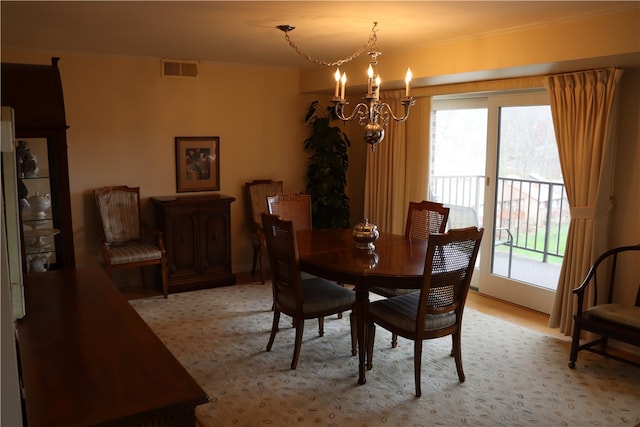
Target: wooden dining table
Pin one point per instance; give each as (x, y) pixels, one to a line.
(396, 262)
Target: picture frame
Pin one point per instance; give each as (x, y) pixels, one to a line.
(197, 163)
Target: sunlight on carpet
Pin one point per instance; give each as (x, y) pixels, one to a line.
(515, 376)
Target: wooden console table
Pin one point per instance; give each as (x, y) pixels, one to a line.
(88, 358)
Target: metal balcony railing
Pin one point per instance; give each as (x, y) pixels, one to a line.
(535, 212)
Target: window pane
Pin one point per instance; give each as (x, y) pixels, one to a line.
(458, 150)
(532, 213)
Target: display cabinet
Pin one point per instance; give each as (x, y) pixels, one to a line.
(35, 204)
(35, 94)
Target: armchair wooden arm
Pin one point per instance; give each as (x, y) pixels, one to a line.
(605, 318)
(158, 234)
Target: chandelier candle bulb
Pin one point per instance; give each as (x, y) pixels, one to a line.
(378, 88)
(407, 81)
(343, 80)
(337, 76)
(370, 80)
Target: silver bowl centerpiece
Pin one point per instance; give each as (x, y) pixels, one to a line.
(365, 234)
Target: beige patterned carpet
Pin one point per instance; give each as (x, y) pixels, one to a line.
(515, 377)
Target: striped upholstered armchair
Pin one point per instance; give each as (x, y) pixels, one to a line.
(121, 231)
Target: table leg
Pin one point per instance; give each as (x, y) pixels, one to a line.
(362, 311)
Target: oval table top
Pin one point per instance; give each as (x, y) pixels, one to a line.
(396, 261)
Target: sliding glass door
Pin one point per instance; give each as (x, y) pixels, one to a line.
(494, 162)
(458, 161)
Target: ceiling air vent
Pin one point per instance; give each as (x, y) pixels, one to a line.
(179, 69)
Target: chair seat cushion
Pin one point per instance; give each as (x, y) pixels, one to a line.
(401, 312)
(320, 295)
(616, 313)
(133, 253)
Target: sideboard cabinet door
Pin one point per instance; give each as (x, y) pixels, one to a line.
(181, 234)
(215, 245)
(197, 235)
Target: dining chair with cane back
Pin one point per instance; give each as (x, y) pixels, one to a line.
(295, 207)
(423, 219)
(436, 311)
(296, 297)
(292, 206)
(256, 193)
(121, 229)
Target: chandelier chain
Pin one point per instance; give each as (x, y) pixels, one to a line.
(369, 46)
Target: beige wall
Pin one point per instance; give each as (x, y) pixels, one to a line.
(123, 118)
(558, 46)
(625, 218)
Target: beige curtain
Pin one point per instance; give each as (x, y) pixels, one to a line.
(583, 115)
(397, 171)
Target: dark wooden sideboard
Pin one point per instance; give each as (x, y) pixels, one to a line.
(197, 236)
(88, 358)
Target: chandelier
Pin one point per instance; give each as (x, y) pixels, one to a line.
(372, 114)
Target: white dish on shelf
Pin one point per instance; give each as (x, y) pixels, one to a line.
(28, 216)
(35, 238)
(39, 245)
(35, 223)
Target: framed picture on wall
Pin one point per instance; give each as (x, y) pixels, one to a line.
(197, 163)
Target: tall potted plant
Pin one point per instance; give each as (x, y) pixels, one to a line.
(327, 169)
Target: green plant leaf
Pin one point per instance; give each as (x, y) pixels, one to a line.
(327, 168)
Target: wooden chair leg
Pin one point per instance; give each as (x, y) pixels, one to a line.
(575, 343)
(394, 340)
(340, 314)
(417, 365)
(165, 279)
(457, 353)
(274, 329)
(298, 342)
(321, 326)
(453, 346)
(254, 263)
(261, 261)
